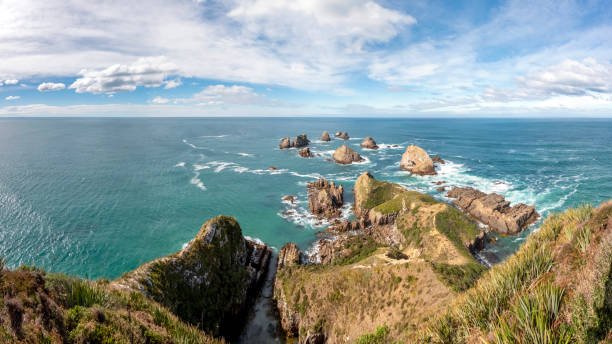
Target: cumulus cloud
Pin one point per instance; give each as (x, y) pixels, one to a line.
(160, 100)
(12, 97)
(147, 72)
(51, 86)
(173, 83)
(11, 82)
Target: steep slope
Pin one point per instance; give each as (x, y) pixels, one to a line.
(40, 307)
(557, 288)
(210, 281)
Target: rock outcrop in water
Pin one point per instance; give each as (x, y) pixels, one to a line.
(369, 143)
(325, 199)
(305, 153)
(211, 281)
(438, 160)
(338, 134)
(325, 137)
(285, 143)
(345, 155)
(493, 210)
(289, 255)
(301, 141)
(416, 160)
(344, 136)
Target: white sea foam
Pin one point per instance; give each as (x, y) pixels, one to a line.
(197, 167)
(180, 164)
(246, 155)
(197, 182)
(255, 240)
(212, 136)
(389, 146)
(191, 144)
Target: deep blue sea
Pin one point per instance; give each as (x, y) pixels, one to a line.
(98, 197)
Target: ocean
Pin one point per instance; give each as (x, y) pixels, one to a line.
(97, 197)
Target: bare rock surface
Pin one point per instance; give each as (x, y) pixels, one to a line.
(305, 153)
(493, 210)
(345, 155)
(344, 136)
(289, 255)
(325, 137)
(369, 143)
(325, 199)
(416, 160)
(301, 141)
(285, 143)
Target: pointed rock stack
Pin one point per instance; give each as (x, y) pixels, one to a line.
(346, 156)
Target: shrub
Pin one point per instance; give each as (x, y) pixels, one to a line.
(378, 337)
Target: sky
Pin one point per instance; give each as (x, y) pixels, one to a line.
(306, 58)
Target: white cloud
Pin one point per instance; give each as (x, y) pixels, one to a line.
(228, 95)
(160, 100)
(11, 82)
(568, 78)
(51, 86)
(12, 97)
(148, 72)
(173, 83)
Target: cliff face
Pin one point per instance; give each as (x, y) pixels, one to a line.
(209, 281)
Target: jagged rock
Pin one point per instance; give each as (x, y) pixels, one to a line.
(441, 188)
(325, 199)
(289, 255)
(338, 134)
(301, 141)
(314, 338)
(369, 143)
(493, 210)
(439, 182)
(416, 160)
(289, 198)
(325, 136)
(438, 160)
(208, 263)
(305, 153)
(344, 226)
(345, 155)
(344, 136)
(273, 168)
(285, 143)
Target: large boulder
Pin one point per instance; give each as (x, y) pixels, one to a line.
(218, 260)
(369, 143)
(416, 160)
(301, 141)
(325, 199)
(285, 143)
(345, 155)
(493, 210)
(338, 134)
(344, 136)
(325, 136)
(305, 153)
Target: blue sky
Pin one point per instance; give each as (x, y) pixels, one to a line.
(305, 57)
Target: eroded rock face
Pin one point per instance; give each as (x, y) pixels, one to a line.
(438, 160)
(285, 143)
(345, 155)
(301, 141)
(325, 199)
(325, 136)
(218, 258)
(305, 153)
(344, 136)
(289, 255)
(369, 143)
(493, 210)
(416, 160)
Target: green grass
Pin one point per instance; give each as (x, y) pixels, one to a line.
(359, 251)
(380, 192)
(458, 277)
(379, 336)
(457, 228)
(406, 199)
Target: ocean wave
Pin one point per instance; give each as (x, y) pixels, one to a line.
(246, 155)
(197, 182)
(389, 146)
(212, 136)
(197, 167)
(192, 145)
(255, 240)
(180, 164)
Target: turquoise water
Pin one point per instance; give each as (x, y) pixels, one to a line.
(98, 197)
